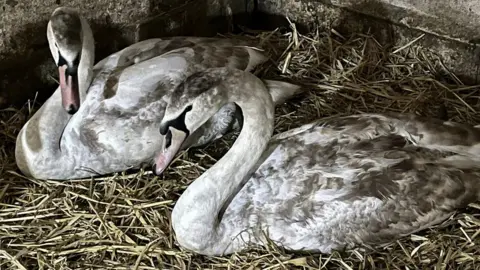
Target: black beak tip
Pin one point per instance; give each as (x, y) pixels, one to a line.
(154, 170)
(71, 109)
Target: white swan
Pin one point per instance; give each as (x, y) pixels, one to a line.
(115, 126)
(332, 184)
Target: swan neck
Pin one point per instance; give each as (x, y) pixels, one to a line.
(85, 69)
(197, 209)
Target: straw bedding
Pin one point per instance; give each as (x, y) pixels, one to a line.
(123, 221)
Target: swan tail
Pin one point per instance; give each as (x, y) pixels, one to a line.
(282, 91)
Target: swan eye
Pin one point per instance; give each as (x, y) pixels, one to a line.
(177, 123)
(61, 60)
(71, 69)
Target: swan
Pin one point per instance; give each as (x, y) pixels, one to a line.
(104, 118)
(336, 183)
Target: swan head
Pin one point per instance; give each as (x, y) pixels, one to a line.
(192, 104)
(64, 33)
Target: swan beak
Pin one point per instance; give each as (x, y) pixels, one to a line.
(69, 90)
(172, 142)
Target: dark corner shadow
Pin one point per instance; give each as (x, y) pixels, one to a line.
(353, 23)
(256, 20)
(184, 19)
(196, 22)
(109, 38)
(21, 72)
(31, 74)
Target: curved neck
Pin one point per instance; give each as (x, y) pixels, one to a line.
(195, 216)
(52, 117)
(41, 135)
(85, 68)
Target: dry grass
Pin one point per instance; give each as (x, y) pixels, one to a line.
(123, 221)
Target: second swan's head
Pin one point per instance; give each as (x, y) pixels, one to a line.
(191, 104)
(64, 33)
